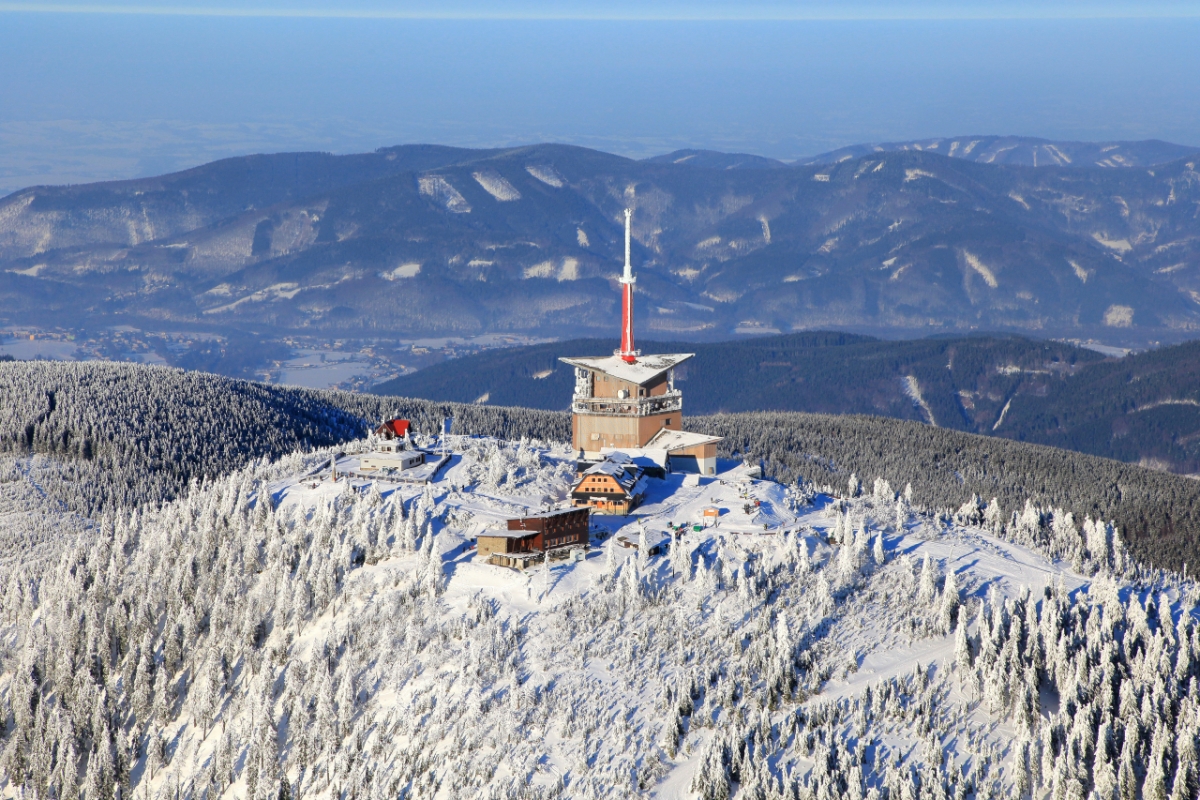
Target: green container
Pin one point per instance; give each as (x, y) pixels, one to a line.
(697, 528)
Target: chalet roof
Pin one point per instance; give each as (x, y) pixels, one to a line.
(608, 467)
(644, 370)
(555, 513)
(670, 440)
(504, 533)
(625, 474)
(394, 427)
(639, 456)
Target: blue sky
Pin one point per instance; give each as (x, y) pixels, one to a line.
(113, 90)
(674, 10)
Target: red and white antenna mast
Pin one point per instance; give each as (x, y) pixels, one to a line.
(627, 353)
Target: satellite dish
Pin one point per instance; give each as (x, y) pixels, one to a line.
(622, 393)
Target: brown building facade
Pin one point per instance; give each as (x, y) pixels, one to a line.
(621, 404)
(535, 535)
(612, 486)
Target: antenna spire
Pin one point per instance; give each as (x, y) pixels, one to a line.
(627, 353)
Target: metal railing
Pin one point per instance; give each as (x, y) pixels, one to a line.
(629, 407)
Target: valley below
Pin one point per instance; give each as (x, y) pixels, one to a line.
(419, 242)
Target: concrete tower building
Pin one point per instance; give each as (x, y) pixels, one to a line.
(626, 399)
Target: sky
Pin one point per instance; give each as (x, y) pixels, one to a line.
(92, 91)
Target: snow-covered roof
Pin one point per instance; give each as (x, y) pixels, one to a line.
(504, 533)
(608, 467)
(626, 474)
(639, 488)
(671, 441)
(401, 458)
(645, 369)
(641, 456)
(553, 513)
(653, 538)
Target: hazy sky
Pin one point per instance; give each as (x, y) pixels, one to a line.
(89, 91)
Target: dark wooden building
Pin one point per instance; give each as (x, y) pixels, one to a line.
(528, 538)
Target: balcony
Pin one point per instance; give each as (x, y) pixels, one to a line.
(629, 407)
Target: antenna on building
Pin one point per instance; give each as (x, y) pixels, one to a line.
(627, 353)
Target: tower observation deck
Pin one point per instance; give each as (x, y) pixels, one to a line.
(625, 399)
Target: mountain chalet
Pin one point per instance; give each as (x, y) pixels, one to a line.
(615, 485)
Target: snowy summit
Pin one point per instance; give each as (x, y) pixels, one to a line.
(279, 633)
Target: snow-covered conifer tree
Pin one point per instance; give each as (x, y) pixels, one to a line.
(610, 558)
(927, 585)
(948, 611)
(993, 517)
(1104, 773)
(680, 558)
(962, 651)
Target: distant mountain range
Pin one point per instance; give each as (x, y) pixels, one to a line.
(907, 238)
(1024, 151)
(1143, 408)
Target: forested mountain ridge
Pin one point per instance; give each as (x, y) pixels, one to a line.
(528, 240)
(1026, 151)
(136, 435)
(269, 636)
(140, 435)
(1143, 408)
(962, 382)
(129, 212)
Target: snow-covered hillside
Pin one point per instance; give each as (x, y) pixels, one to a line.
(278, 635)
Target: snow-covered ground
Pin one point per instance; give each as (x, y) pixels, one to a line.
(342, 641)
